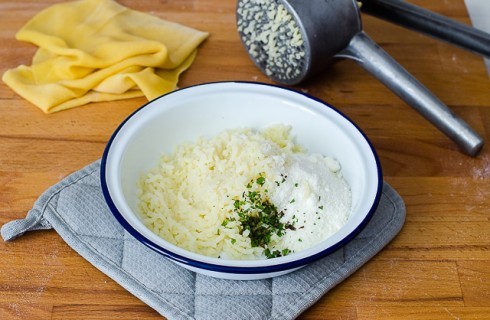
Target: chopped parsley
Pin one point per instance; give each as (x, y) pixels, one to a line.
(260, 181)
(276, 253)
(260, 217)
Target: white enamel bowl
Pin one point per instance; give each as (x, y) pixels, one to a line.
(207, 109)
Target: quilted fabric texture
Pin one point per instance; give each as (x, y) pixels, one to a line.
(76, 209)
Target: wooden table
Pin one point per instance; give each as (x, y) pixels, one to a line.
(438, 267)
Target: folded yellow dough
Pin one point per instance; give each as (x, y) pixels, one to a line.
(99, 50)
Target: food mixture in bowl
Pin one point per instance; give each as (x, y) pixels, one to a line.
(245, 194)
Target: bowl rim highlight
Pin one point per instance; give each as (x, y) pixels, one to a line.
(273, 265)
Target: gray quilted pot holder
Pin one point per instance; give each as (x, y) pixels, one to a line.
(76, 209)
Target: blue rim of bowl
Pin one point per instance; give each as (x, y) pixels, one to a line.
(233, 269)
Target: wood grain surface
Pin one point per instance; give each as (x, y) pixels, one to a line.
(438, 267)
